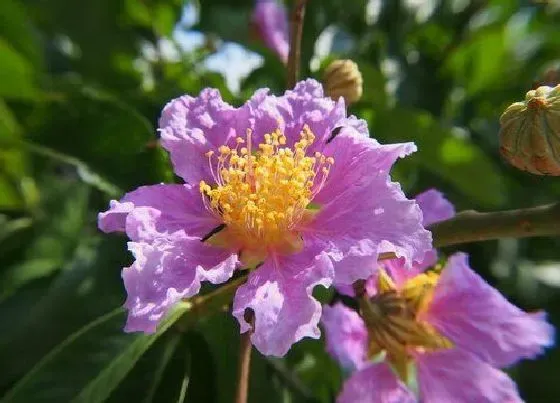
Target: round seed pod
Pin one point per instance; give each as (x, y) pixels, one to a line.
(530, 132)
(342, 78)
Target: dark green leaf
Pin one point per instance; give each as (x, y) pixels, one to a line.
(90, 364)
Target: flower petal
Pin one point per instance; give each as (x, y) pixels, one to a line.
(397, 270)
(307, 105)
(166, 208)
(460, 377)
(271, 20)
(280, 295)
(375, 384)
(435, 207)
(346, 335)
(362, 213)
(166, 270)
(190, 127)
(477, 318)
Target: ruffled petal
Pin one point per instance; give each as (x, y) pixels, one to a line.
(346, 335)
(271, 21)
(307, 105)
(455, 376)
(280, 295)
(477, 318)
(435, 207)
(113, 220)
(190, 127)
(376, 384)
(166, 270)
(362, 213)
(163, 208)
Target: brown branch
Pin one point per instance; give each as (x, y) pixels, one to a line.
(296, 30)
(245, 349)
(472, 226)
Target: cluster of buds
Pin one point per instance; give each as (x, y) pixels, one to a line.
(530, 132)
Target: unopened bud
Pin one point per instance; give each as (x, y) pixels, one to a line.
(530, 133)
(342, 78)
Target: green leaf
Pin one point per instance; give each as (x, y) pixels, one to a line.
(88, 285)
(13, 163)
(111, 137)
(90, 364)
(57, 233)
(16, 28)
(10, 199)
(475, 68)
(16, 74)
(159, 374)
(227, 20)
(455, 160)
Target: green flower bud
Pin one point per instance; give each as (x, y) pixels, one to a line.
(342, 78)
(530, 132)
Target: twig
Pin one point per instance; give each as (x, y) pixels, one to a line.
(244, 361)
(472, 226)
(296, 29)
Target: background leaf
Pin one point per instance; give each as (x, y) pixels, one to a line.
(105, 353)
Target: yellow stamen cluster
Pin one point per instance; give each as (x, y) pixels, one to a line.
(262, 194)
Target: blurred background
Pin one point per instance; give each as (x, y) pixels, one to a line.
(82, 84)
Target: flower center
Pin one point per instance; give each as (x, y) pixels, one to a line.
(261, 195)
(392, 318)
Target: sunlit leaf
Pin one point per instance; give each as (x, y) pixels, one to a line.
(454, 159)
(16, 74)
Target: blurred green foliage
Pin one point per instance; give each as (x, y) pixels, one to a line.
(79, 101)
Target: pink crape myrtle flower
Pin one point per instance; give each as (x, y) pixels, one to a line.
(344, 327)
(287, 187)
(271, 23)
(454, 327)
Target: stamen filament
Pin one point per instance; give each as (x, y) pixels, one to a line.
(262, 196)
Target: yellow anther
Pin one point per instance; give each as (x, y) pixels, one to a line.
(209, 153)
(262, 192)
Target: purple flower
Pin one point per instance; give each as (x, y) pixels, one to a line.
(454, 327)
(271, 22)
(287, 187)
